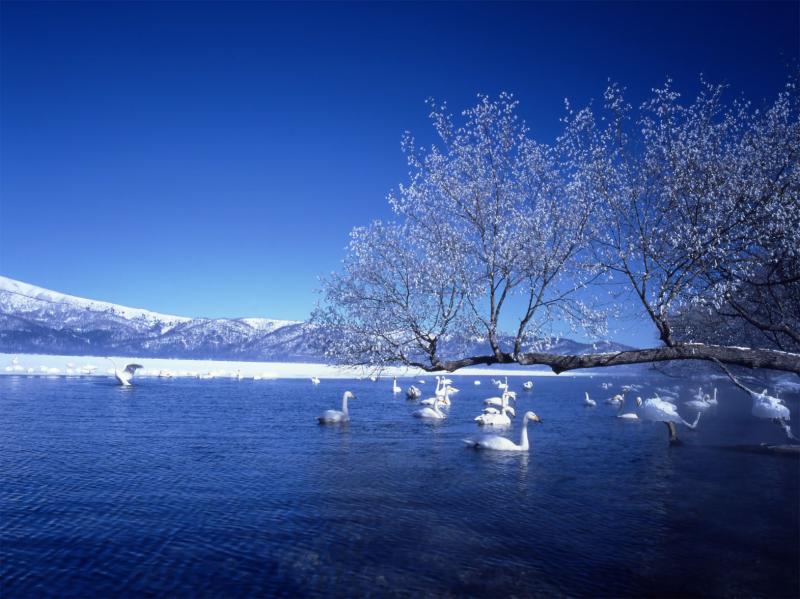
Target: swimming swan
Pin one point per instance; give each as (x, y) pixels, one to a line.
(494, 417)
(498, 443)
(712, 399)
(413, 392)
(500, 402)
(445, 401)
(430, 413)
(628, 415)
(700, 402)
(657, 410)
(767, 406)
(335, 416)
(395, 387)
(587, 401)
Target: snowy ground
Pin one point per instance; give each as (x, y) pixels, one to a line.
(50, 365)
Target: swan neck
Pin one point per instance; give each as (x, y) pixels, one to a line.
(344, 403)
(523, 439)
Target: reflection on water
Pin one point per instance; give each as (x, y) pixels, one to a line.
(230, 488)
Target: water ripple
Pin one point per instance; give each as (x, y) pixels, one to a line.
(224, 488)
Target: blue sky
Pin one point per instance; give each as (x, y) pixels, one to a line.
(210, 159)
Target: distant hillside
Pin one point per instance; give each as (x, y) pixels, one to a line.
(37, 320)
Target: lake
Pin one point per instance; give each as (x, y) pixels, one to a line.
(230, 488)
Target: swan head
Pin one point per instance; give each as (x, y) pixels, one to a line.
(639, 401)
(532, 417)
(348, 395)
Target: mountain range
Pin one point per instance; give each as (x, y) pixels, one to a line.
(37, 320)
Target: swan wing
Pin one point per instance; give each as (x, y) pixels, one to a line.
(332, 416)
(497, 443)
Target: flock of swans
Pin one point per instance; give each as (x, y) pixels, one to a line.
(498, 412)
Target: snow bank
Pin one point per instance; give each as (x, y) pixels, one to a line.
(51, 365)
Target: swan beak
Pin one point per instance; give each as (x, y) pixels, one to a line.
(537, 419)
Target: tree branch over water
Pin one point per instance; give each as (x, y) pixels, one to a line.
(738, 356)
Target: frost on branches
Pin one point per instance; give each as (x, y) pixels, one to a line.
(691, 208)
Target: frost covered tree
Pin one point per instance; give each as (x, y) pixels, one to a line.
(500, 241)
(702, 207)
(488, 228)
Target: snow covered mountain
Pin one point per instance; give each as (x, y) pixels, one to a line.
(37, 320)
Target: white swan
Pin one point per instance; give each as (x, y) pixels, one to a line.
(587, 401)
(494, 417)
(445, 401)
(507, 409)
(527, 385)
(498, 443)
(700, 401)
(656, 409)
(767, 406)
(395, 387)
(500, 402)
(619, 397)
(443, 389)
(413, 392)
(712, 399)
(431, 413)
(335, 416)
(476, 383)
(124, 376)
(628, 415)
(315, 380)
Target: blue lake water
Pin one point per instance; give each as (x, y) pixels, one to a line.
(230, 488)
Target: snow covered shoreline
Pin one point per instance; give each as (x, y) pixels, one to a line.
(57, 365)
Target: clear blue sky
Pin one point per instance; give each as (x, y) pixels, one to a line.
(210, 159)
